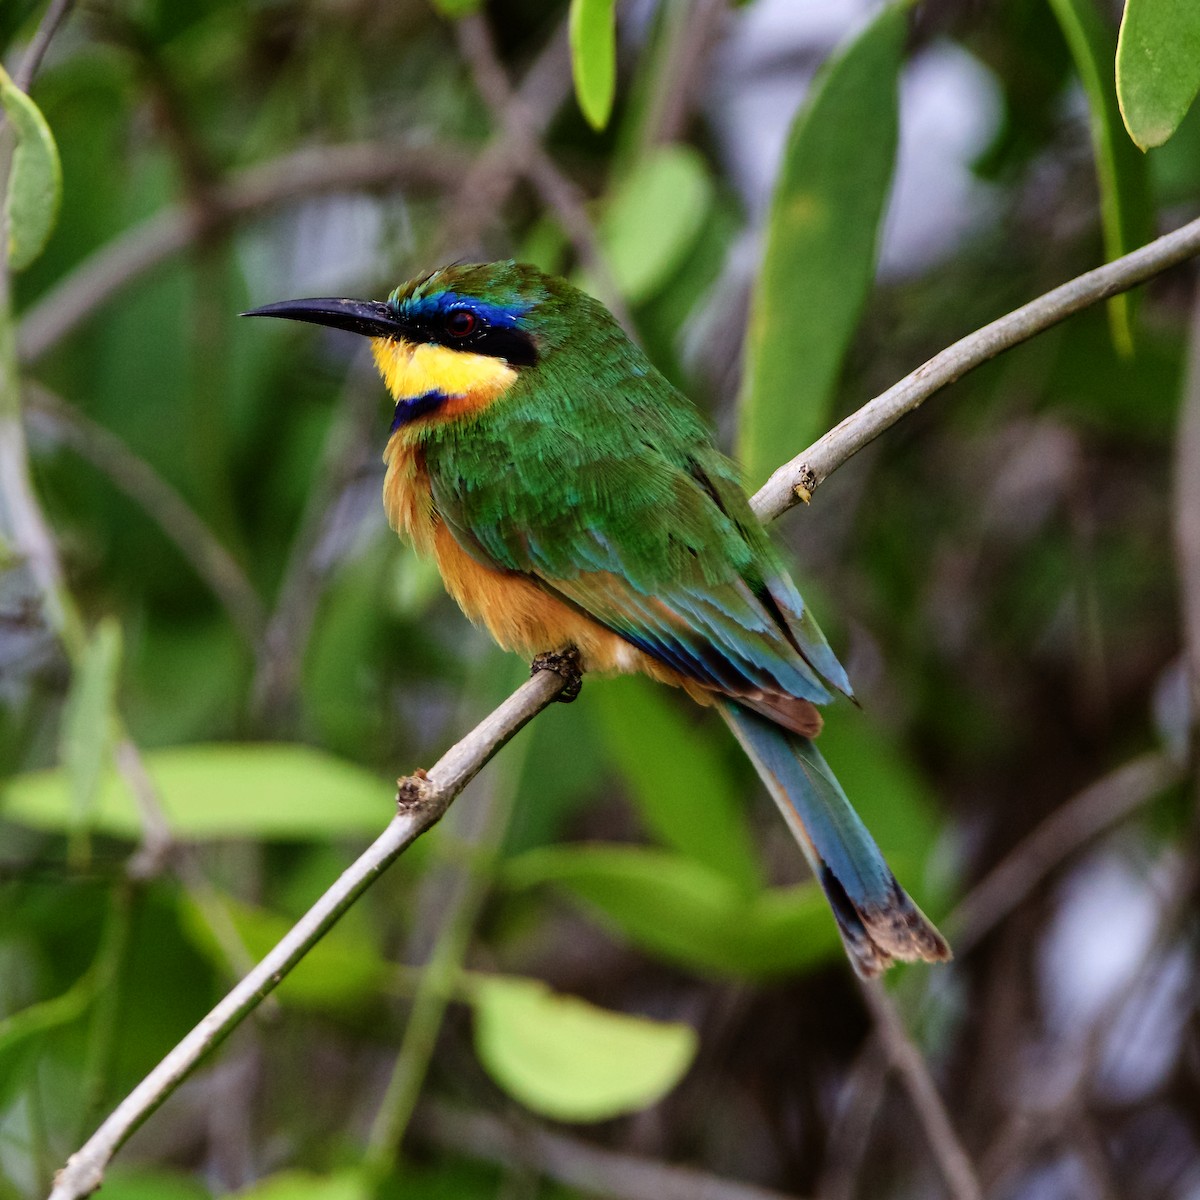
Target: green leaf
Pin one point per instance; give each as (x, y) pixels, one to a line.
(343, 969)
(221, 791)
(683, 912)
(569, 1060)
(87, 727)
(1124, 196)
(149, 1183)
(305, 1185)
(593, 35)
(457, 8)
(679, 778)
(35, 177)
(821, 244)
(654, 219)
(1158, 67)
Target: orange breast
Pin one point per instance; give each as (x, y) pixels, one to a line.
(520, 615)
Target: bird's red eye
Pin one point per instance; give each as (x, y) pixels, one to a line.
(461, 322)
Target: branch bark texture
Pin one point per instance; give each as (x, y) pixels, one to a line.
(796, 480)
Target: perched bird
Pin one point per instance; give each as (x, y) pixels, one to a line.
(573, 499)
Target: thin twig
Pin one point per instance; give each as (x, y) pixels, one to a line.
(423, 800)
(1187, 523)
(1085, 816)
(53, 17)
(159, 500)
(558, 193)
(292, 177)
(1080, 1060)
(573, 1162)
(797, 480)
(849, 1138)
(910, 1065)
(494, 173)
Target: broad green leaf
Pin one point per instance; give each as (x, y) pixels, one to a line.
(680, 781)
(653, 220)
(306, 1185)
(593, 35)
(343, 969)
(35, 177)
(1158, 67)
(686, 913)
(221, 791)
(569, 1060)
(87, 727)
(1124, 199)
(821, 243)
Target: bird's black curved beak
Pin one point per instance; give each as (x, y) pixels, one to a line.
(371, 318)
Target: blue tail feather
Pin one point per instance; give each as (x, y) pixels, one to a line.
(877, 919)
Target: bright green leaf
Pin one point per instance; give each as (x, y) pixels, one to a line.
(1124, 198)
(343, 969)
(686, 913)
(305, 1185)
(680, 781)
(653, 220)
(148, 1183)
(87, 726)
(35, 177)
(1158, 67)
(569, 1060)
(457, 8)
(593, 34)
(221, 791)
(821, 243)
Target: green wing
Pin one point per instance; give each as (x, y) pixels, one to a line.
(615, 500)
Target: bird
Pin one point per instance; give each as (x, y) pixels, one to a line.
(577, 506)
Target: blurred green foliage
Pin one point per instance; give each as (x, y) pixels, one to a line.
(998, 576)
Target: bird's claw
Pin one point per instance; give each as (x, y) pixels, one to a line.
(566, 665)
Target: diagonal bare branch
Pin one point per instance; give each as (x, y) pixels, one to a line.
(796, 480)
(909, 1063)
(1085, 816)
(423, 800)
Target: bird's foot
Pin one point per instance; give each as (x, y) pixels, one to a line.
(566, 665)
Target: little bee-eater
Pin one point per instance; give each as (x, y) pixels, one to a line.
(572, 498)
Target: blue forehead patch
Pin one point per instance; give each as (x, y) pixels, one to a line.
(502, 316)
